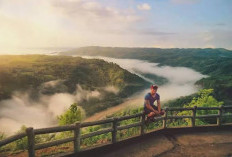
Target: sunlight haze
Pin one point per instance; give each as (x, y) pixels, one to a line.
(31, 24)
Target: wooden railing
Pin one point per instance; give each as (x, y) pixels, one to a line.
(76, 128)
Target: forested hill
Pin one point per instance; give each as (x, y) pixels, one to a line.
(30, 72)
(216, 63)
(203, 60)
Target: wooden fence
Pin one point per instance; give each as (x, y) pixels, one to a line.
(76, 128)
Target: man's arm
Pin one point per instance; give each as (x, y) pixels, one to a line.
(150, 107)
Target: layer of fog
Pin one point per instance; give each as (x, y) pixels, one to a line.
(181, 81)
(21, 109)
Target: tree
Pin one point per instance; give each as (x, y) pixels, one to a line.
(203, 99)
(73, 114)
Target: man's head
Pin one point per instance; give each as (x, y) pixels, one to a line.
(154, 89)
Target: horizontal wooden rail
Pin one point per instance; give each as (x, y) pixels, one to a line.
(129, 126)
(178, 117)
(130, 116)
(95, 133)
(54, 129)
(208, 108)
(180, 109)
(208, 116)
(115, 127)
(12, 139)
(53, 143)
(227, 107)
(227, 115)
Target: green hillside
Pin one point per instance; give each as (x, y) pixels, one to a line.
(216, 63)
(29, 72)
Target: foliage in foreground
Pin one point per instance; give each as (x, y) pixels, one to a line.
(72, 115)
(203, 98)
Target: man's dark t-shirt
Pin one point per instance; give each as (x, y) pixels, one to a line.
(151, 99)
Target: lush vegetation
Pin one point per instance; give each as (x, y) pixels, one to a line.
(203, 98)
(72, 115)
(31, 72)
(216, 63)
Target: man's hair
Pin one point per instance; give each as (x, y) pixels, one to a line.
(155, 87)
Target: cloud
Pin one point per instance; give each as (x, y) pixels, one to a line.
(220, 24)
(181, 82)
(215, 38)
(76, 23)
(111, 89)
(184, 1)
(21, 109)
(175, 75)
(153, 33)
(61, 23)
(144, 6)
(92, 14)
(207, 36)
(52, 84)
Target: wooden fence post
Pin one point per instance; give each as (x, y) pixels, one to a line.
(219, 119)
(31, 141)
(114, 132)
(194, 116)
(142, 124)
(77, 137)
(165, 118)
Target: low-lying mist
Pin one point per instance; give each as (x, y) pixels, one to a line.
(21, 109)
(180, 81)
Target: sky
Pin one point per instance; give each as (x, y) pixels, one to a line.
(58, 24)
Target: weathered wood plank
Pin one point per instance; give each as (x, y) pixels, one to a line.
(129, 126)
(130, 116)
(227, 115)
(77, 137)
(165, 118)
(180, 109)
(85, 124)
(227, 107)
(95, 133)
(54, 129)
(219, 118)
(31, 142)
(12, 139)
(194, 116)
(115, 129)
(53, 143)
(142, 132)
(178, 117)
(208, 108)
(208, 116)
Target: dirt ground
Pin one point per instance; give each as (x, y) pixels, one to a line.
(206, 144)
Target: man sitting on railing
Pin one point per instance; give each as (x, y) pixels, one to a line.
(149, 108)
